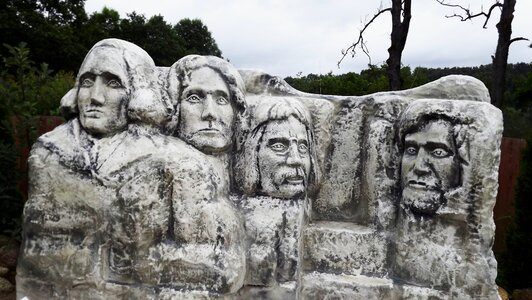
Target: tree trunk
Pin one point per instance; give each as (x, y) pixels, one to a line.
(500, 59)
(398, 37)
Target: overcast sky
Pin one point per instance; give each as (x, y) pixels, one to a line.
(285, 37)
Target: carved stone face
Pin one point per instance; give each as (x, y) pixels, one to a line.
(102, 95)
(206, 113)
(428, 167)
(284, 159)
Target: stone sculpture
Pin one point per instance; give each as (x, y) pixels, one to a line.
(443, 146)
(210, 102)
(201, 181)
(140, 198)
(278, 157)
(430, 164)
(275, 170)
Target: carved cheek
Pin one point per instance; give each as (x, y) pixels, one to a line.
(226, 114)
(115, 102)
(445, 171)
(189, 114)
(407, 164)
(83, 97)
(269, 167)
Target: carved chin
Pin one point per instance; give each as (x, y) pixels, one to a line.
(284, 191)
(422, 201)
(209, 142)
(290, 191)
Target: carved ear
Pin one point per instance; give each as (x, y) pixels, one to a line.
(145, 107)
(69, 107)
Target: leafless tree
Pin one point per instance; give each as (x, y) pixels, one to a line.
(504, 28)
(400, 11)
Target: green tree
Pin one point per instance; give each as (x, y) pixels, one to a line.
(162, 42)
(50, 27)
(101, 25)
(197, 38)
(26, 90)
(155, 35)
(504, 40)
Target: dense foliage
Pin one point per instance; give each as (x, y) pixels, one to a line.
(517, 109)
(27, 90)
(60, 32)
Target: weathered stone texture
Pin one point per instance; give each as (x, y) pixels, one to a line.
(344, 248)
(198, 181)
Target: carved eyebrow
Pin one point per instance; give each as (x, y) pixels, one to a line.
(435, 145)
(86, 75)
(110, 76)
(202, 92)
(221, 93)
(302, 141)
(410, 143)
(278, 140)
(189, 92)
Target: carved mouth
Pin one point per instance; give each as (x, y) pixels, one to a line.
(420, 185)
(209, 130)
(91, 113)
(417, 184)
(296, 179)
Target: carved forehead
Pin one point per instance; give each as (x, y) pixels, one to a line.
(289, 128)
(105, 59)
(279, 109)
(179, 77)
(207, 79)
(433, 131)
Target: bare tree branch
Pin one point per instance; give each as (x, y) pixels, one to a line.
(468, 14)
(518, 39)
(360, 42)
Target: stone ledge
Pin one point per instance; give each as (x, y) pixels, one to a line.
(342, 247)
(332, 286)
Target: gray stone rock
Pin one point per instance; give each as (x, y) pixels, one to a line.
(199, 181)
(344, 248)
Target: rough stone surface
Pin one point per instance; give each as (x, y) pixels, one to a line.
(344, 248)
(199, 181)
(331, 286)
(453, 241)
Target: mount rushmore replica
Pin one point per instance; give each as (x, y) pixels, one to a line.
(201, 181)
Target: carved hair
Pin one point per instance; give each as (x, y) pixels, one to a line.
(246, 168)
(143, 104)
(179, 78)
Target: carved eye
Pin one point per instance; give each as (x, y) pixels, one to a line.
(87, 82)
(113, 83)
(440, 153)
(194, 98)
(222, 101)
(278, 147)
(411, 151)
(302, 148)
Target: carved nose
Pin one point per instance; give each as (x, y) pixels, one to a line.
(421, 164)
(294, 158)
(208, 112)
(97, 93)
